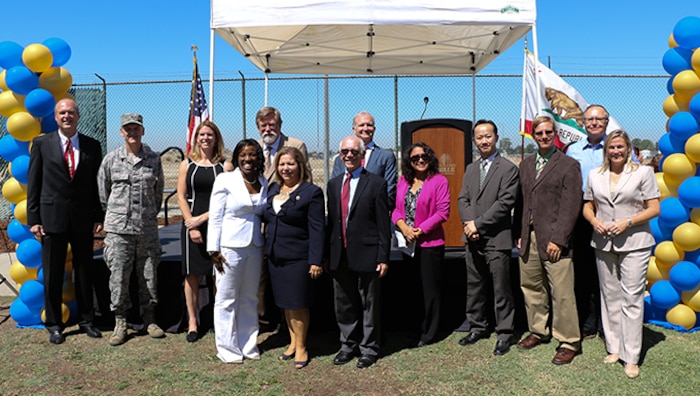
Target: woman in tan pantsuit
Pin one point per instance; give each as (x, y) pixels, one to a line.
(620, 199)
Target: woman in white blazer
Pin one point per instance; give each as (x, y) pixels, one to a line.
(235, 243)
(620, 199)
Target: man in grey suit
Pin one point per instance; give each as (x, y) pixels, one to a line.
(489, 190)
(377, 160)
(545, 214)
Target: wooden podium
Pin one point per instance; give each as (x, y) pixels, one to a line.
(451, 140)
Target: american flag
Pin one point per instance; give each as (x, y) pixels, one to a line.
(198, 107)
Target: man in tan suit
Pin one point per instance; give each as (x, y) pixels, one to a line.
(546, 213)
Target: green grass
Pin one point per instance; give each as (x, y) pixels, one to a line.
(171, 366)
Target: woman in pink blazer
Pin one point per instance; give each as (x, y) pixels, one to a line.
(620, 199)
(422, 205)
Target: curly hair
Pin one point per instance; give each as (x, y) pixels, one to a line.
(407, 169)
(260, 166)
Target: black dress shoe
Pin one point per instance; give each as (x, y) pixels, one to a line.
(56, 337)
(366, 361)
(502, 347)
(91, 330)
(343, 357)
(470, 339)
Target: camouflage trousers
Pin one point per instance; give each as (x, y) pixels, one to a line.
(124, 254)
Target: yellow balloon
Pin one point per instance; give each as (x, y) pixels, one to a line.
(663, 188)
(681, 315)
(14, 191)
(670, 106)
(23, 126)
(692, 147)
(667, 254)
(11, 103)
(20, 273)
(678, 167)
(687, 236)
(695, 215)
(686, 83)
(3, 84)
(654, 274)
(21, 212)
(65, 313)
(58, 80)
(691, 298)
(64, 95)
(672, 42)
(695, 61)
(37, 57)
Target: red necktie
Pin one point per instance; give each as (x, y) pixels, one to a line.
(344, 203)
(69, 158)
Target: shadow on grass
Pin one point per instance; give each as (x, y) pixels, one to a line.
(650, 338)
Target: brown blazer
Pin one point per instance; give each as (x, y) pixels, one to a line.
(553, 202)
(290, 142)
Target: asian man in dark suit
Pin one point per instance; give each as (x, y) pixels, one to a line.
(489, 190)
(545, 216)
(63, 207)
(359, 233)
(377, 160)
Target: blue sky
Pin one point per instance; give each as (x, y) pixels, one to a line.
(147, 40)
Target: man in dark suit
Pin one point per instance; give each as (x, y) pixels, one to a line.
(63, 207)
(359, 231)
(489, 190)
(377, 160)
(550, 185)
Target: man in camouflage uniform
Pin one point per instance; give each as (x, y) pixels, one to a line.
(130, 184)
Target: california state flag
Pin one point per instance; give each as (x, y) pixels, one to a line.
(554, 98)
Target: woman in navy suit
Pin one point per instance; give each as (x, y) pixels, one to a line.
(294, 231)
(620, 199)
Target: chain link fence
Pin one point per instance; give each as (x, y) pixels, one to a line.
(319, 110)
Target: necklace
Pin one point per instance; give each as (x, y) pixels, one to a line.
(250, 182)
(285, 194)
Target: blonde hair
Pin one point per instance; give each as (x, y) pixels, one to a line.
(196, 153)
(618, 133)
(304, 172)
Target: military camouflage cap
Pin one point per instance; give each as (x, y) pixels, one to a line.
(132, 118)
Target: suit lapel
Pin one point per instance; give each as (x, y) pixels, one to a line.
(624, 179)
(548, 167)
(361, 185)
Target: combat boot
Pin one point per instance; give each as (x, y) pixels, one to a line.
(149, 321)
(119, 334)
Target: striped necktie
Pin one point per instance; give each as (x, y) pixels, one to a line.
(541, 162)
(482, 173)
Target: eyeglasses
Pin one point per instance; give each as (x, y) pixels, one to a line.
(348, 151)
(599, 119)
(540, 133)
(416, 158)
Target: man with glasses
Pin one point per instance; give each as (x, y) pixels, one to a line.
(376, 160)
(489, 190)
(359, 236)
(550, 187)
(589, 153)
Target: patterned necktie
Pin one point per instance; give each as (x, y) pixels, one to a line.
(482, 174)
(344, 203)
(541, 162)
(268, 161)
(69, 157)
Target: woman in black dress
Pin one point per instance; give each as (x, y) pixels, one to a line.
(194, 183)
(294, 217)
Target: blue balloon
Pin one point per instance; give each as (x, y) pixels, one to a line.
(682, 125)
(23, 315)
(39, 103)
(664, 295)
(653, 313)
(18, 232)
(686, 33)
(48, 124)
(21, 80)
(673, 213)
(684, 275)
(693, 256)
(59, 49)
(669, 86)
(29, 253)
(10, 54)
(20, 168)
(659, 231)
(688, 191)
(32, 294)
(694, 106)
(669, 145)
(11, 148)
(675, 60)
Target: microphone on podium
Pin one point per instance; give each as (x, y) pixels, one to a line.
(426, 100)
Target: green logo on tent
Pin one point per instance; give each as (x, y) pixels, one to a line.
(510, 9)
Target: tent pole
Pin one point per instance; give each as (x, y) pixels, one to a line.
(327, 129)
(538, 81)
(211, 74)
(266, 87)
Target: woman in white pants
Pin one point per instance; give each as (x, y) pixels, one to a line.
(235, 243)
(620, 199)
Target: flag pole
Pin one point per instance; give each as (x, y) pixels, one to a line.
(524, 103)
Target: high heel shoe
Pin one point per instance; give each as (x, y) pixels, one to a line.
(285, 357)
(301, 365)
(192, 336)
(611, 358)
(631, 370)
